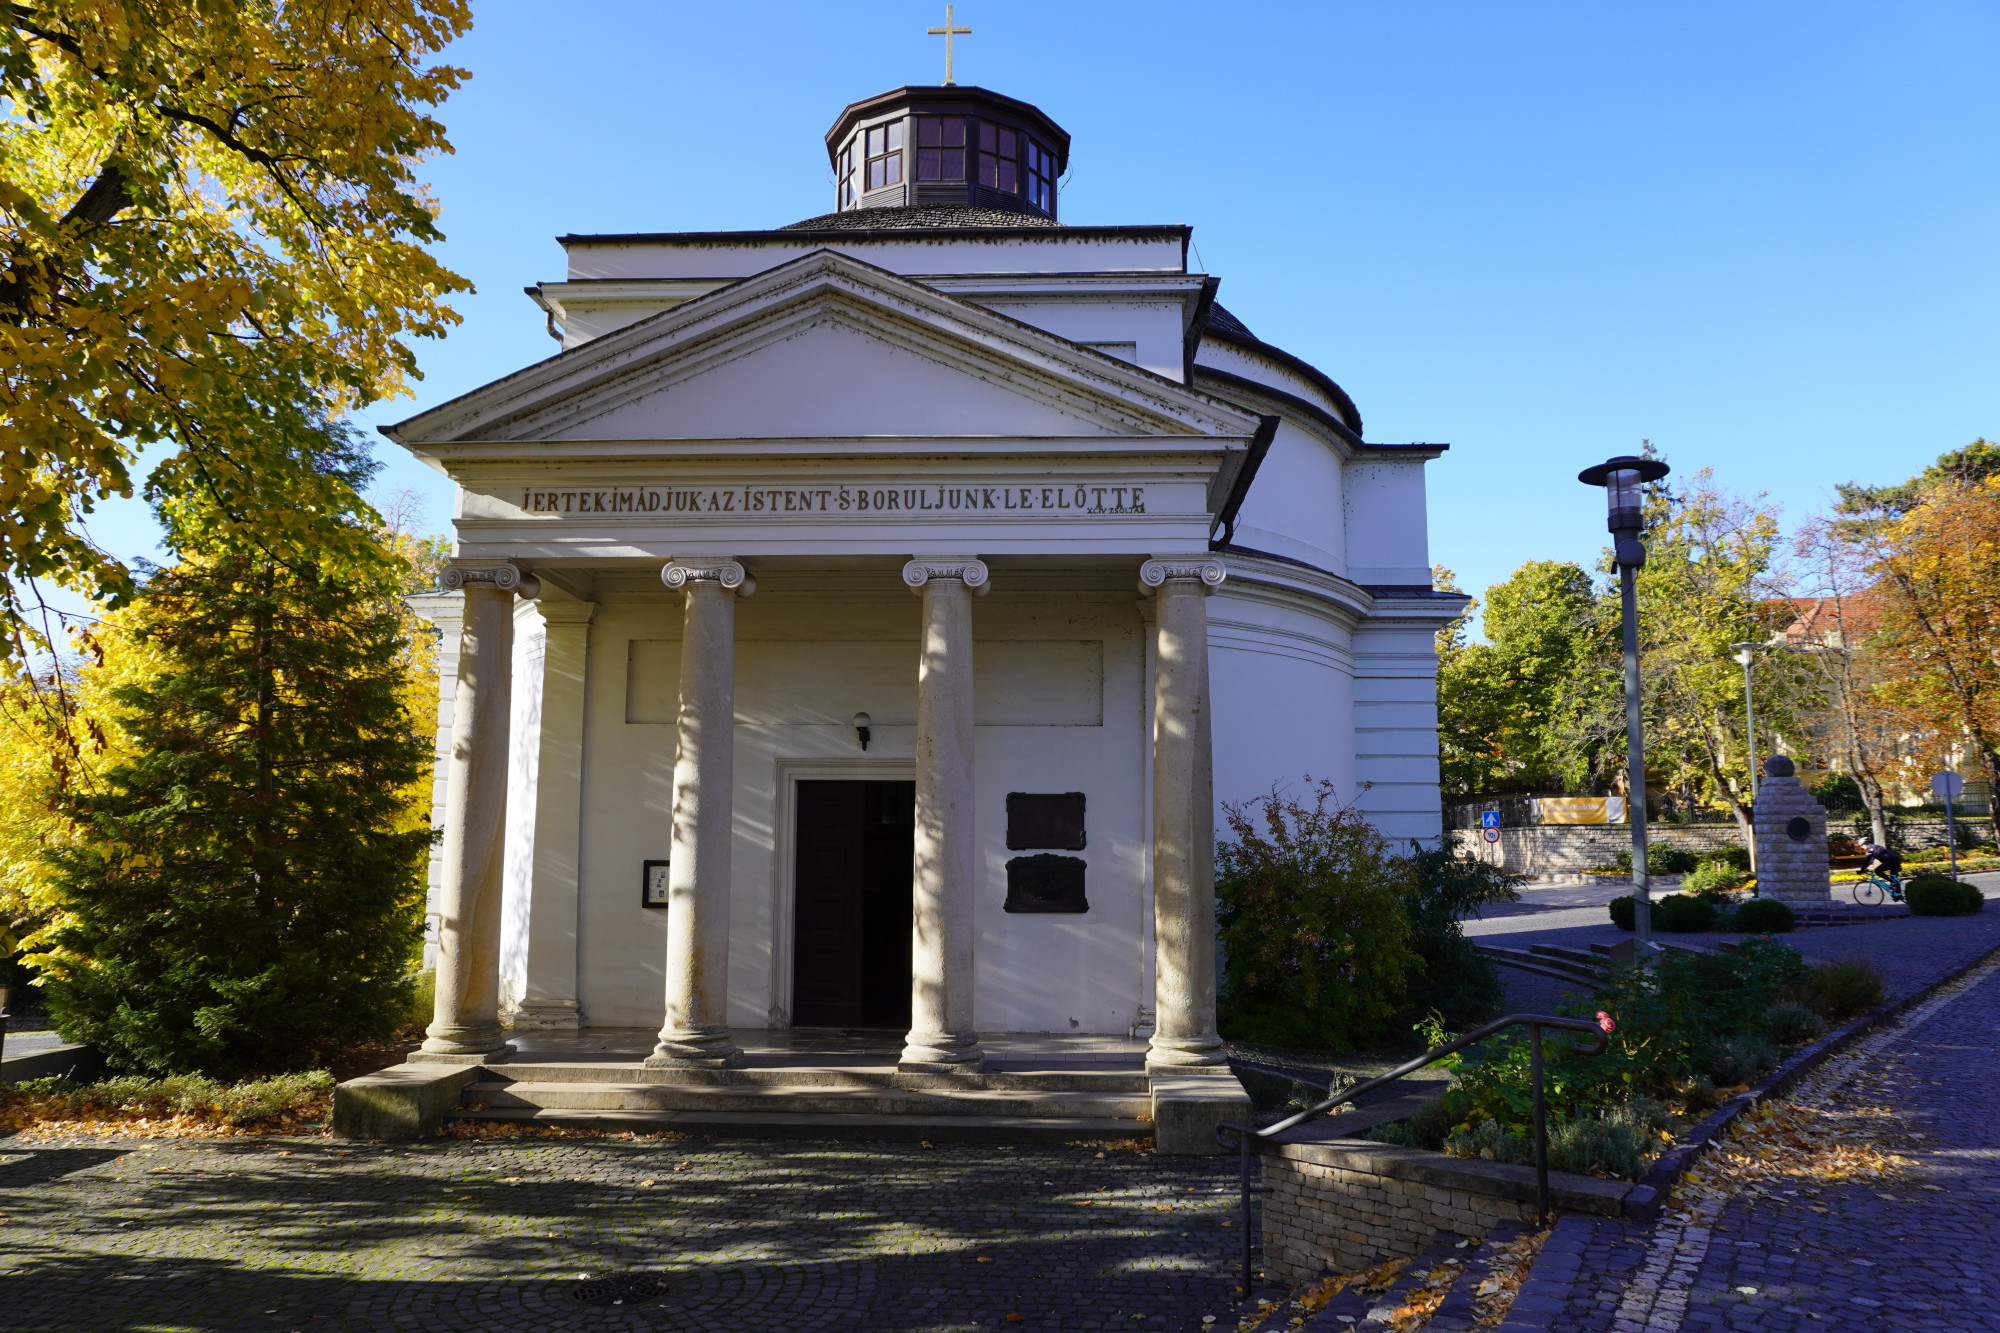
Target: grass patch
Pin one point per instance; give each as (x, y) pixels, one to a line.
(181, 1106)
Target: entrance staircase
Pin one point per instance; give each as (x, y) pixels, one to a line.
(1030, 1097)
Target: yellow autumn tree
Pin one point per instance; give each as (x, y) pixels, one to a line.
(211, 231)
(1936, 565)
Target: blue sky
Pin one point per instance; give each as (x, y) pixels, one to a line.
(1761, 235)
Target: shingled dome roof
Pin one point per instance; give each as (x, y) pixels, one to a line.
(920, 217)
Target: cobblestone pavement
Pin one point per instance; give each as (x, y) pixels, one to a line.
(1919, 1252)
(321, 1235)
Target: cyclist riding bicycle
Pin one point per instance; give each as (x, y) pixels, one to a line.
(1888, 861)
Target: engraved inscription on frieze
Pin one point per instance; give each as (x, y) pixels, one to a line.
(838, 501)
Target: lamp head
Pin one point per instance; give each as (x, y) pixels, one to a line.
(1745, 653)
(861, 725)
(1621, 477)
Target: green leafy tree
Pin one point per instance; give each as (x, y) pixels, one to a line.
(1515, 713)
(242, 889)
(1711, 580)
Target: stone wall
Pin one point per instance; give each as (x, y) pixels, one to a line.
(1569, 849)
(1344, 1204)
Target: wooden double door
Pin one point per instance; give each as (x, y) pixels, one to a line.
(851, 944)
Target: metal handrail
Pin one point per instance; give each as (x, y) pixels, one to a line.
(1245, 1134)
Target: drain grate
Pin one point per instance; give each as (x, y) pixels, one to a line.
(619, 1289)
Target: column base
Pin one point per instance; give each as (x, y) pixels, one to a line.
(941, 1053)
(695, 1050)
(548, 1015)
(1186, 1053)
(464, 1039)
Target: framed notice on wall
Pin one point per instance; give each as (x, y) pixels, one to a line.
(653, 884)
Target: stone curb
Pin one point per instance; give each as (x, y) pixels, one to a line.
(1556, 1267)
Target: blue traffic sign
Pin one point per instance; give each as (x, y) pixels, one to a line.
(1489, 819)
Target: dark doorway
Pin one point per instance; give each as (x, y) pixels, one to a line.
(851, 948)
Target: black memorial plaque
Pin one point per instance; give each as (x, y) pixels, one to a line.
(1046, 883)
(1045, 819)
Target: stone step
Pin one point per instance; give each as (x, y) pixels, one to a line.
(796, 1125)
(1562, 954)
(499, 1094)
(1547, 967)
(1108, 1081)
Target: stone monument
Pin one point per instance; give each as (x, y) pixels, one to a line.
(1792, 863)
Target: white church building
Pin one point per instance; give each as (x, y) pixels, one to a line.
(860, 624)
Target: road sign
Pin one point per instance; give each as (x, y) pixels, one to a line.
(1489, 819)
(1491, 834)
(1947, 785)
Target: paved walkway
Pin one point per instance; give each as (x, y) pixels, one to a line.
(1908, 951)
(751, 1237)
(1916, 1252)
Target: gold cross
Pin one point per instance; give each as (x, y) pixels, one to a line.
(947, 32)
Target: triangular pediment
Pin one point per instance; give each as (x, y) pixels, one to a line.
(826, 347)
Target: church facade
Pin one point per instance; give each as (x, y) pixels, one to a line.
(859, 624)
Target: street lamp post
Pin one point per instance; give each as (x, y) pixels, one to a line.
(1746, 655)
(1621, 478)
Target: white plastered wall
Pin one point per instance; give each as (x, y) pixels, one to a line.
(806, 662)
(1294, 508)
(1281, 682)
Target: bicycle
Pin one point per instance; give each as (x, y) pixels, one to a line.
(1869, 892)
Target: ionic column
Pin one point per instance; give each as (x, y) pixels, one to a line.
(696, 1031)
(1183, 816)
(466, 1019)
(942, 1037)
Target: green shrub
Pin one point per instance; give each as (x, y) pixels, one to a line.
(1316, 941)
(1731, 1061)
(1683, 913)
(1452, 978)
(1613, 1144)
(423, 1000)
(1735, 858)
(1791, 1024)
(1764, 916)
(1712, 881)
(1842, 990)
(1662, 858)
(1938, 895)
(1623, 913)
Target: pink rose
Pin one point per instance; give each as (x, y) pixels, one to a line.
(1604, 1021)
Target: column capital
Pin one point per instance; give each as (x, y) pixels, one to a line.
(500, 575)
(967, 569)
(722, 571)
(1199, 569)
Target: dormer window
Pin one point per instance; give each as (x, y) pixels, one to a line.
(845, 175)
(940, 148)
(885, 155)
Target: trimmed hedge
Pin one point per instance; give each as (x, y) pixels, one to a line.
(1765, 916)
(1683, 914)
(1937, 895)
(1677, 913)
